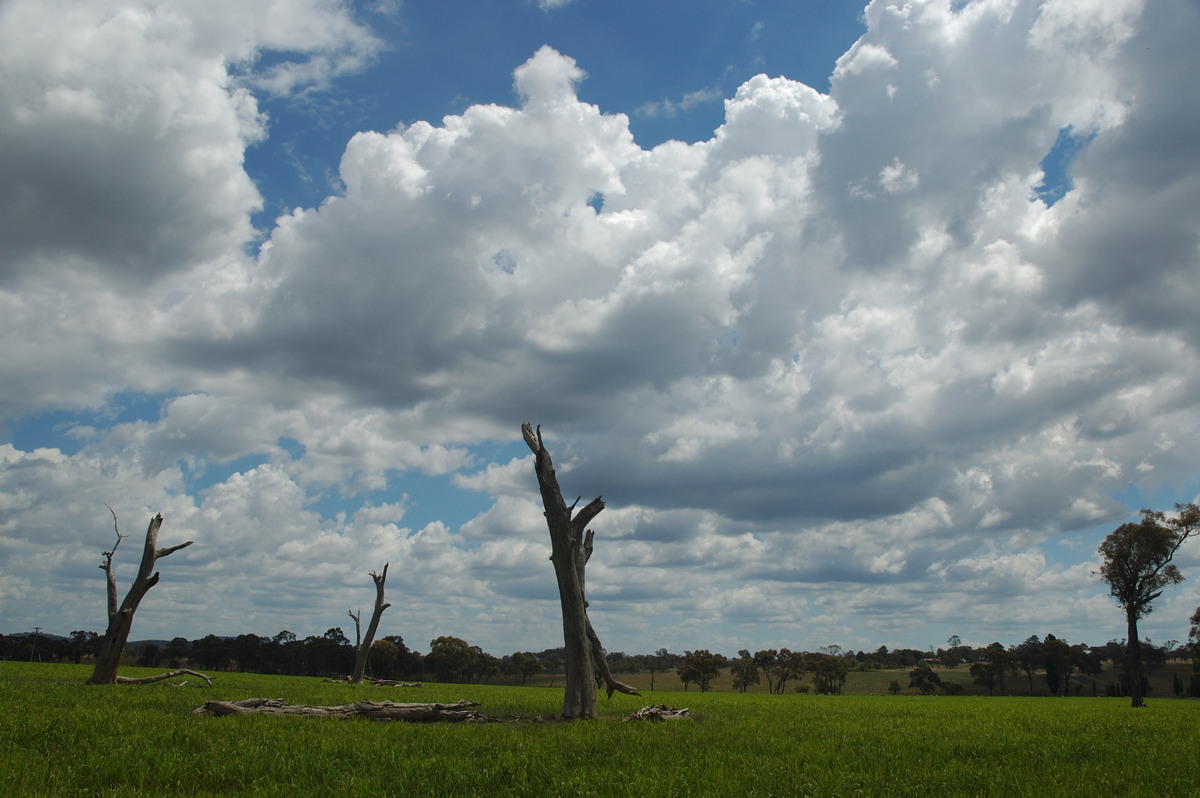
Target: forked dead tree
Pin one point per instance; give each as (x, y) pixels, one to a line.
(120, 617)
(571, 547)
(362, 645)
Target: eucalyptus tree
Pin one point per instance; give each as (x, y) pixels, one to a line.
(1137, 568)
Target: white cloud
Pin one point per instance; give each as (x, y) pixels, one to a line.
(831, 362)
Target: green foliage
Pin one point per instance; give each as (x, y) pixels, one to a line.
(451, 658)
(829, 672)
(1137, 568)
(1137, 557)
(60, 737)
(744, 671)
(700, 667)
(924, 679)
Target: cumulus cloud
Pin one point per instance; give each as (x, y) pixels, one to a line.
(838, 364)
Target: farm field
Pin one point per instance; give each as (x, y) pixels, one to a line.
(60, 737)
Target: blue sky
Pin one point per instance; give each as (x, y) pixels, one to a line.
(666, 65)
(867, 321)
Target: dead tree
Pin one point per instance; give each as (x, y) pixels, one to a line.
(460, 711)
(571, 547)
(120, 617)
(362, 646)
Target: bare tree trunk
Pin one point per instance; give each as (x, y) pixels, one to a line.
(1133, 661)
(120, 618)
(571, 547)
(363, 647)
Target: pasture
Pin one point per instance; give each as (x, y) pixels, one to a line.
(59, 737)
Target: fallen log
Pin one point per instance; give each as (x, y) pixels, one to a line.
(161, 677)
(393, 683)
(458, 712)
(658, 712)
(370, 680)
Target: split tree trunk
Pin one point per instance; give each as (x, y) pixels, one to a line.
(363, 646)
(571, 547)
(120, 618)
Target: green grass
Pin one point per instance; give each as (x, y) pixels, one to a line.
(60, 737)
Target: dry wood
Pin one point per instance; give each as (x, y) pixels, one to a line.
(362, 647)
(458, 712)
(571, 547)
(120, 618)
(374, 681)
(657, 712)
(392, 683)
(163, 676)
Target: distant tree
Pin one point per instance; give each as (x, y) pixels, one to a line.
(662, 661)
(1087, 662)
(450, 658)
(829, 672)
(1029, 657)
(408, 662)
(992, 666)
(328, 654)
(247, 651)
(744, 671)
(924, 679)
(286, 652)
(1137, 568)
(176, 651)
(687, 674)
(764, 660)
(148, 655)
(894, 687)
(701, 667)
(382, 659)
(83, 644)
(620, 662)
(524, 664)
(1057, 662)
(553, 662)
(484, 667)
(210, 652)
(779, 667)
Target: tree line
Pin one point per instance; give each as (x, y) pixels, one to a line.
(1050, 664)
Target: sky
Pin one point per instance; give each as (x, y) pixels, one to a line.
(868, 323)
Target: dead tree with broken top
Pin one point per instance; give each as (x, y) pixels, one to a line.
(362, 646)
(120, 617)
(571, 547)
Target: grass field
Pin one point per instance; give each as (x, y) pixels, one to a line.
(60, 737)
